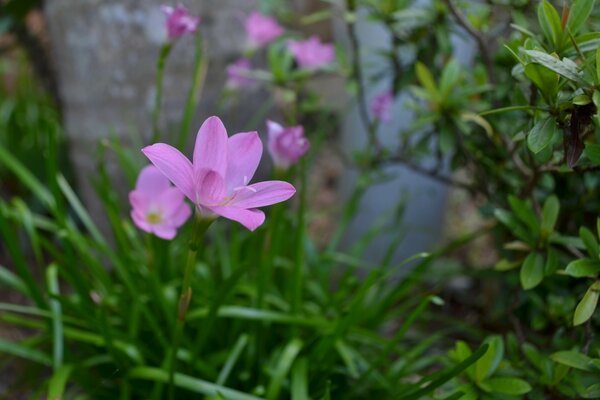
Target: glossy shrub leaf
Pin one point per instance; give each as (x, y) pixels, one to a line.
(488, 364)
(587, 305)
(592, 150)
(565, 67)
(532, 271)
(580, 11)
(426, 79)
(573, 359)
(590, 242)
(509, 386)
(545, 79)
(550, 214)
(551, 262)
(524, 211)
(512, 223)
(541, 135)
(550, 22)
(582, 268)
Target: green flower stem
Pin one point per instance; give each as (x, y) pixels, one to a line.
(165, 50)
(200, 68)
(199, 230)
(299, 259)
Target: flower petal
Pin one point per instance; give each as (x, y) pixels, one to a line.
(181, 215)
(210, 150)
(173, 165)
(164, 231)
(251, 219)
(210, 188)
(262, 194)
(151, 181)
(139, 201)
(140, 222)
(169, 201)
(244, 151)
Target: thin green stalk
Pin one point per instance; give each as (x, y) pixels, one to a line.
(165, 50)
(299, 259)
(199, 230)
(200, 68)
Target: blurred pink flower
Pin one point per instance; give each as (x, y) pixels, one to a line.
(286, 145)
(381, 106)
(311, 53)
(237, 74)
(158, 207)
(262, 29)
(179, 21)
(217, 180)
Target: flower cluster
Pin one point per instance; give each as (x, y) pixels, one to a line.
(217, 181)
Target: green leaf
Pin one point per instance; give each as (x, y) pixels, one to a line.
(56, 310)
(347, 356)
(58, 381)
(551, 262)
(580, 11)
(450, 77)
(592, 150)
(19, 350)
(26, 178)
(443, 377)
(488, 364)
(532, 271)
(587, 305)
(512, 223)
(299, 387)
(550, 214)
(573, 359)
(524, 212)
(7, 278)
(589, 240)
(598, 63)
(583, 268)
(541, 135)
(544, 79)
(426, 79)
(509, 386)
(239, 346)
(190, 383)
(591, 392)
(282, 368)
(549, 22)
(565, 67)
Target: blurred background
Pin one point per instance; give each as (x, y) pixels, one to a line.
(86, 71)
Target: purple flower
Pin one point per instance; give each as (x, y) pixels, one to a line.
(237, 74)
(286, 145)
(217, 180)
(381, 106)
(311, 53)
(158, 207)
(179, 21)
(262, 29)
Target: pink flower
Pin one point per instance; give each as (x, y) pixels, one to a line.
(286, 145)
(311, 53)
(217, 180)
(237, 74)
(262, 29)
(381, 106)
(179, 21)
(158, 207)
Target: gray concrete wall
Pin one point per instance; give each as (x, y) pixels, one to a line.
(106, 53)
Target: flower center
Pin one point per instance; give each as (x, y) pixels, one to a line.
(153, 218)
